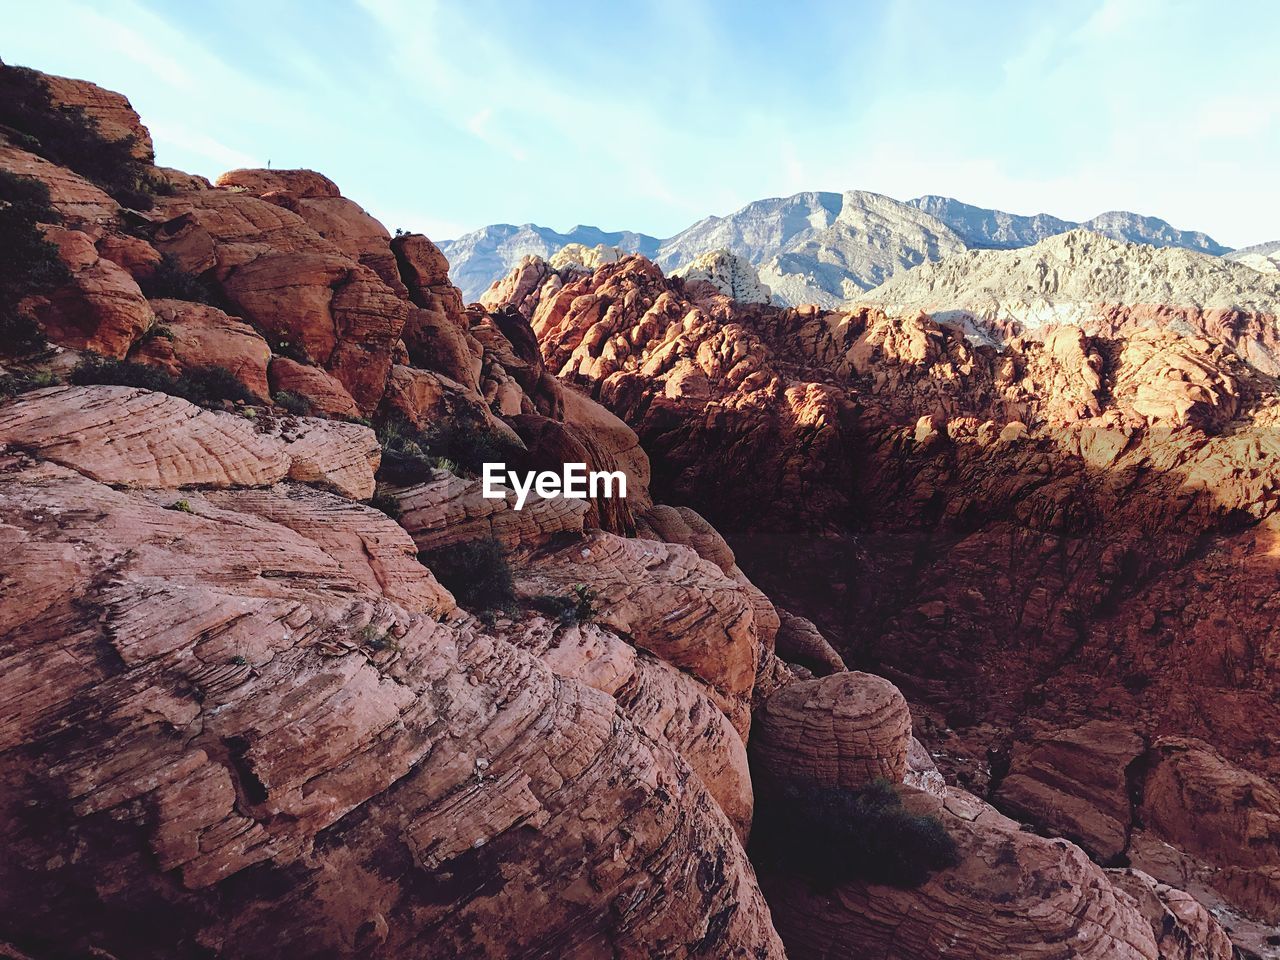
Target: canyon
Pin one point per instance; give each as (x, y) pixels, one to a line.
(277, 677)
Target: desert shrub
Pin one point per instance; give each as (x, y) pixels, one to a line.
(833, 835)
(468, 440)
(578, 606)
(405, 457)
(157, 331)
(182, 506)
(461, 444)
(290, 350)
(124, 373)
(203, 385)
(385, 501)
(169, 281)
(210, 385)
(68, 137)
(30, 264)
(292, 403)
(12, 384)
(475, 572)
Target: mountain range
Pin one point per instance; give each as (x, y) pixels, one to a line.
(815, 247)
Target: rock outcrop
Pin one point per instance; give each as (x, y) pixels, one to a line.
(726, 273)
(1104, 286)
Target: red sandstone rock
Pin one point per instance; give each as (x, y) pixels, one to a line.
(188, 336)
(237, 710)
(134, 255)
(135, 438)
(844, 730)
(81, 204)
(1076, 783)
(109, 111)
(452, 510)
(663, 597)
(102, 310)
(325, 394)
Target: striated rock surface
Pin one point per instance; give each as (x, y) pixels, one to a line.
(342, 457)
(452, 510)
(1012, 894)
(132, 437)
(187, 336)
(665, 702)
(844, 730)
(665, 599)
(265, 752)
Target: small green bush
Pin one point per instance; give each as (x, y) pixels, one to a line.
(577, 607)
(30, 264)
(68, 137)
(182, 506)
(169, 281)
(291, 351)
(383, 500)
(157, 331)
(12, 384)
(94, 369)
(292, 403)
(205, 386)
(462, 445)
(476, 572)
(834, 835)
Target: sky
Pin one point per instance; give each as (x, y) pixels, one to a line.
(446, 116)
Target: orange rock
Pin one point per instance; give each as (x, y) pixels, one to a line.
(843, 730)
(325, 394)
(135, 438)
(81, 204)
(102, 310)
(193, 335)
(109, 111)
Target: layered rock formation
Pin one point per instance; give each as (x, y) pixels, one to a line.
(1106, 287)
(1072, 527)
(235, 700)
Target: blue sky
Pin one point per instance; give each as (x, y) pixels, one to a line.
(446, 116)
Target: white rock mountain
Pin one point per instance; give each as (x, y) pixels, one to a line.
(1099, 284)
(1261, 256)
(813, 247)
(732, 275)
(482, 256)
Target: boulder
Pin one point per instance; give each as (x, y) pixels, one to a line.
(188, 336)
(320, 389)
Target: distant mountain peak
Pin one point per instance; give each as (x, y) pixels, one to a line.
(815, 246)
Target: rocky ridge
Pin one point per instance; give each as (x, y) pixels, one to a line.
(1103, 286)
(727, 273)
(820, 248)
